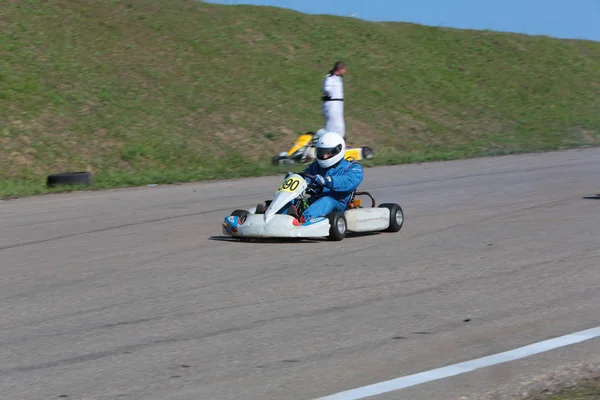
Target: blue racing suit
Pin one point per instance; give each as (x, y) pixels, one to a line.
(343, 178)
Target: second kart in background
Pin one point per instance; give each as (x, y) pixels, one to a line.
(304, 151)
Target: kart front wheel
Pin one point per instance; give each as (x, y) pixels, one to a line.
(396, 216)
(367, 153)
(242, 214)
(338, 226)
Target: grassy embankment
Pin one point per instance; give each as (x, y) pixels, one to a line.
(159, 91)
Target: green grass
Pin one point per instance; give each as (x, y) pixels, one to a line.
(153, 91)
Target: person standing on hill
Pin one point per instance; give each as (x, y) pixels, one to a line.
(333, 99)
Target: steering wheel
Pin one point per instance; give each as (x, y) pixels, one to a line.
(312, 190)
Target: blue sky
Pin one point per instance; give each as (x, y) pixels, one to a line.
(576, 19)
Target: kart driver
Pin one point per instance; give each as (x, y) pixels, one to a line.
(333, 99)
(337, 178)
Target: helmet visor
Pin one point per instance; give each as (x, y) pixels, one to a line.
(325, 153)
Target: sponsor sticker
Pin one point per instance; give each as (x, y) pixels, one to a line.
(314, 220)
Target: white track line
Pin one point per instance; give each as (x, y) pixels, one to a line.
(463, 367)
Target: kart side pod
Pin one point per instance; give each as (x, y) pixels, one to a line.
(367, 219)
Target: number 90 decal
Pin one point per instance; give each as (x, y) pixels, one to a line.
(289, 185)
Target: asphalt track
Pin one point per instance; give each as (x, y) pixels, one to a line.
(133, 294)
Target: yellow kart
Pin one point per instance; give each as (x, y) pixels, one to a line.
(304, 151)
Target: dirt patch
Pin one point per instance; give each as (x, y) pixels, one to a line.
(571, 381)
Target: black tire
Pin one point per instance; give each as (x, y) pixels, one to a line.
(242, 214)
(338, 228)
(69, 178)
(367, 153)
(275, 160)
(264, 207)
(396, 216)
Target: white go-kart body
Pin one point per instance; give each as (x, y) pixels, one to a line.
(271, 224)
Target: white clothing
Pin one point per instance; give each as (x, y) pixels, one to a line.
(333, 108)
(333, 86)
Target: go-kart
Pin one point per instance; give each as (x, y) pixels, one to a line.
(266, 221)
(304, 151)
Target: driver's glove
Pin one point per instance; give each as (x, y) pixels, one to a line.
(319, 181)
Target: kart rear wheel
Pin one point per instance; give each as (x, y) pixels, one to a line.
(396, 216)
(338, 228)
(367, 153)
(242, 214)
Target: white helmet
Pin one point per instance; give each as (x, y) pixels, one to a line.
(330, 149)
